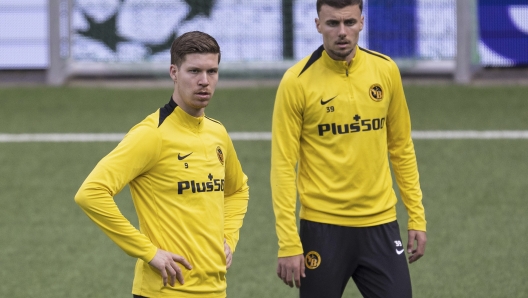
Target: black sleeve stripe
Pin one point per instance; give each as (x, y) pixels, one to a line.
(378, 55)
(315, 55)
(166, 111)
(216, 121)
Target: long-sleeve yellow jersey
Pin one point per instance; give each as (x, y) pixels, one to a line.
(189, 192)
(335, 126)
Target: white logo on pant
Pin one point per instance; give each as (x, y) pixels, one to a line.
(398, 244)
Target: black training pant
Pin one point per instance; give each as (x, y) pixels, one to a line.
(372, 256)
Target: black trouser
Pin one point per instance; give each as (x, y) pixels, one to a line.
(372, 256)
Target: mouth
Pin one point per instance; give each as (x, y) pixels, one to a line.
(203, 94)
(342, 44)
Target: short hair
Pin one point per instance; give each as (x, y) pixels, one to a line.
(339, 4)
(194, 42)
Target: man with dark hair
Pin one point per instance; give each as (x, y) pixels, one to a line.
(339, 113)
(192, 43)
(186, 181)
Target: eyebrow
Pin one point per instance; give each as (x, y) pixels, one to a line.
(339, 20)
(202, 68)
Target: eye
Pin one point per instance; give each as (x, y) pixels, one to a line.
(212, 71)
(193, 71)
(350, 22)
(332, 23)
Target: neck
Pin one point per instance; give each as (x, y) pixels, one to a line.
(187, 109)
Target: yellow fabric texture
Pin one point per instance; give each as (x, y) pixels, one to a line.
(185, 204)
(335, 125)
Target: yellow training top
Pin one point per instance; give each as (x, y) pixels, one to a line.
(338, 124)
(189, 192)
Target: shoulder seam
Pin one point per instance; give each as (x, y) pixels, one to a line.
(374, 54)
(314, 57)
(216, 121)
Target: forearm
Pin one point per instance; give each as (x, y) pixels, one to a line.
(100, 207)
(407, 178)
(286, 227)
(284, 196)
(235, 208)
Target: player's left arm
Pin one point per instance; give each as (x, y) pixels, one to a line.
(236, 196)
(403, 160)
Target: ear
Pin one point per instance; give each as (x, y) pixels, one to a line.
(361, 22)
(318, 25)
(173, 71)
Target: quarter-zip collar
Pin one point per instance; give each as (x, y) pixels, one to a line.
(195, 124)
(341, 66)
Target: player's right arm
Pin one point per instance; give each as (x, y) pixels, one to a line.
(285, 145)
(134, 155)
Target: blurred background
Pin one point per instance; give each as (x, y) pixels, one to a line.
(57, 41)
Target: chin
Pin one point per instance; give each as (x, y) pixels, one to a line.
(201, 105)
(344, 53)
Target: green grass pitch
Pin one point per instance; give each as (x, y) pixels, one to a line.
(475, 192)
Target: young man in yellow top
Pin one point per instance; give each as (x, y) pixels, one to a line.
(186, 182)
(339, 116)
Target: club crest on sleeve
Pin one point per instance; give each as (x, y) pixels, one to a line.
(376, 92)
(312, 260)
(220, 155)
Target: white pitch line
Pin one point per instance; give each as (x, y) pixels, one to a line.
(250, 136)
(470, 134)
(61, 137)
(259, 136)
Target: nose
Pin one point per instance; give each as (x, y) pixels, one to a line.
(342, 31)
(203, 80)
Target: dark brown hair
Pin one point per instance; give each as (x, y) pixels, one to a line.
(194, 42)
(339, 4)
